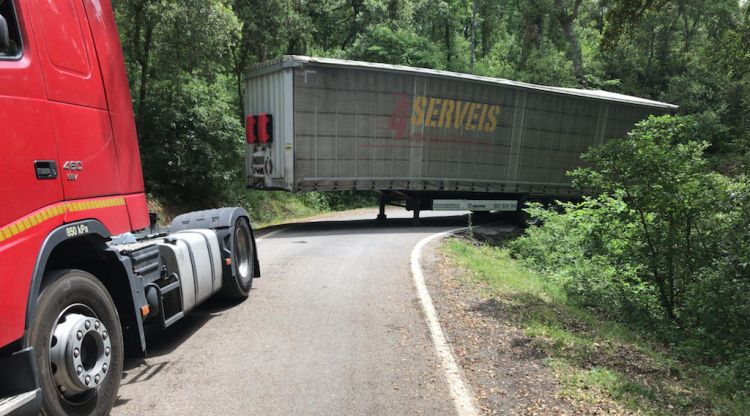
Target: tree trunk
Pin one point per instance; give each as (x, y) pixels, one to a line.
(393, 8)
(448, 40)
(240, 58)
(575, 54)
(532, 36)
(486, 28)
(144, 61)
(136, 36)
(473, 33)
(354, 29)
(567, 21)
(533, 32)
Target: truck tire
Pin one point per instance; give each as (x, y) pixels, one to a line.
(243, 261)
(77, 337)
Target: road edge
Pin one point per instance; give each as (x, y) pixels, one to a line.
(463, 398)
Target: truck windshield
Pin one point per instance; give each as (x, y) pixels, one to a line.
(13, 51)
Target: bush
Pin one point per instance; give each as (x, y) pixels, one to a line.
(381, 43)
(192, 148)
(664, 243)
(585, 248)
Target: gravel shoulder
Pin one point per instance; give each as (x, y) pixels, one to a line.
(505, 370)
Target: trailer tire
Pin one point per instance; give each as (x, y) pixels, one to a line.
(243, 261)
(77, 336)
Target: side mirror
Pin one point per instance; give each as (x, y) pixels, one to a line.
(4, 35)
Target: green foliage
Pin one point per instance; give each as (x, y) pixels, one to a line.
(660, 173)
(195, 145)
(269, 208)
(596, 360)
(275, 207)
(664, 245)
(691, 53)
(349, 199)
(401, 46)
(187, 62)
(591, 259)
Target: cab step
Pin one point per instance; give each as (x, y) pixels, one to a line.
(19, 404)
(20, 394)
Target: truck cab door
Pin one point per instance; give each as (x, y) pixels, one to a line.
(78, 105)
(30, 186)
(27, 138)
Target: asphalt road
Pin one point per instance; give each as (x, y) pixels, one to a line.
(333, 327)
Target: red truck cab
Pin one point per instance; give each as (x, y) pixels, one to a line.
(73, 180)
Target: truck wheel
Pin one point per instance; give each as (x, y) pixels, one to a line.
(243, 262)
(77, 337)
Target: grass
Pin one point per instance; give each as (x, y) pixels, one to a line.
(272, 208)
(277, 207)
(267, 208)
(596, 360)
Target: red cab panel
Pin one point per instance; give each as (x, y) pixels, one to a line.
(87, 156)
(138, 211)
(112, 65)
(18, 255)
(88, 160)
(110, 211)
(69, 138)
(70, 71)
(26, 136)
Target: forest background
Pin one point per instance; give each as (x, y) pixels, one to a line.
(187, 62)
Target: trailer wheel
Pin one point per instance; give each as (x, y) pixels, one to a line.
(77, 337)
(243, 262)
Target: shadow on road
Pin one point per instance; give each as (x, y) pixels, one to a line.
(390, 226)
(162, 342)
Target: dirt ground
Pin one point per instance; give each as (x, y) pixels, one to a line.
(506, 372)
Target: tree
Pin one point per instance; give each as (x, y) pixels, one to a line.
(179, 71)
(403, 47)
(567, 15)
(265, 32)
(690, 52)
(660, 173)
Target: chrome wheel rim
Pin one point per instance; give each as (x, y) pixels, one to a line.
(80, 352)
(242, 253)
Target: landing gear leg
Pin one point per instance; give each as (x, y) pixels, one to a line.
(383, 200)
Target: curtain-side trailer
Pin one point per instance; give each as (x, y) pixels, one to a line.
(435, 139)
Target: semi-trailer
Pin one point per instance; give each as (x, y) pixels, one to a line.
(432, 139)
(82, 269)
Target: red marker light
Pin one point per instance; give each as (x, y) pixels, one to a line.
(263, 128)
(250, 129)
